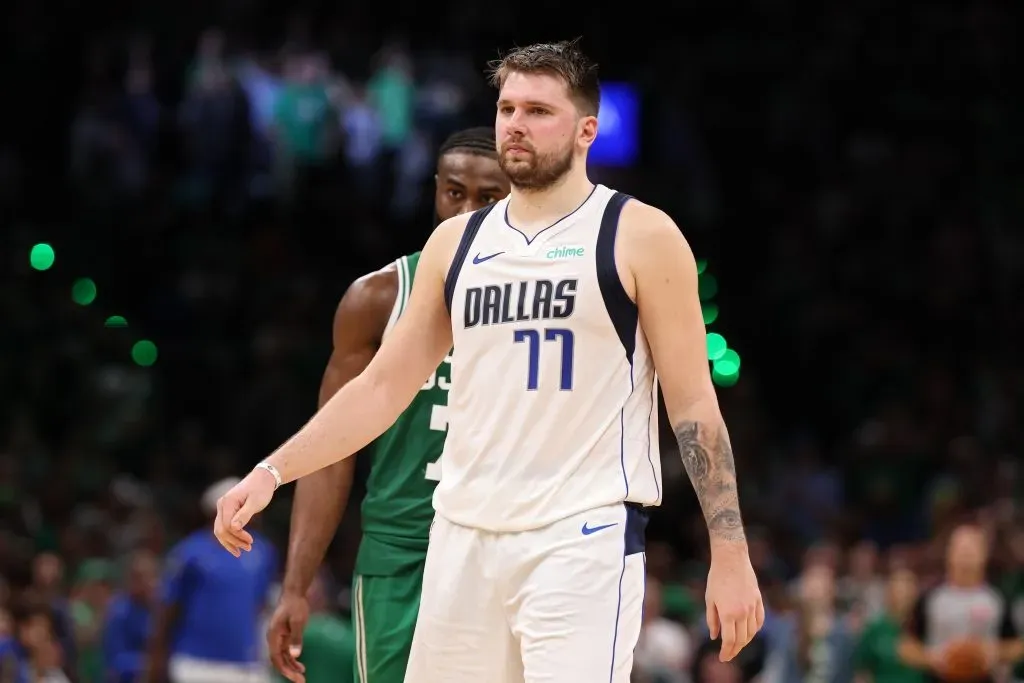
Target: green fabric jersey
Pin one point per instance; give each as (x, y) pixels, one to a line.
(876, 653)
(398, 509)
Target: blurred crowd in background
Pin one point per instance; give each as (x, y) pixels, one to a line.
(851, 174)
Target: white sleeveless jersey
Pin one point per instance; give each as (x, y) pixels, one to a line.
(553, 404)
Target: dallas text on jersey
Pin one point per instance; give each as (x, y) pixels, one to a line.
(519, 301)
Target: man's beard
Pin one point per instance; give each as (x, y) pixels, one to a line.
(536, 171)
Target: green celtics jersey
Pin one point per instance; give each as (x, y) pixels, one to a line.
(397, 510)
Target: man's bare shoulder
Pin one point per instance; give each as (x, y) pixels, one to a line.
(649, 242)
(366, 305)
(442, 245)
(450, 231)
(642, 222)
(376, 290)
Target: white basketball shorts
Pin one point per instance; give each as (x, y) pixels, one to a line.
(561, 604)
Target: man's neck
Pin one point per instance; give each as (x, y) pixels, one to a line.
(532, 211)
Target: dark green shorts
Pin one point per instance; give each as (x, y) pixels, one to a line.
(384, 610)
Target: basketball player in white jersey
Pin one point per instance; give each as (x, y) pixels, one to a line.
(561, 301)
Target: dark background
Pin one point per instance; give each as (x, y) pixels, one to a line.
(851, 173)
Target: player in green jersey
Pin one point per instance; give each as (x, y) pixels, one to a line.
(397, 509)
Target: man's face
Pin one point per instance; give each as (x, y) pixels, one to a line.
(467, 182)
(539, 129)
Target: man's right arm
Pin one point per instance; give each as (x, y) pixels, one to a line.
(364, 408)
(320, 498)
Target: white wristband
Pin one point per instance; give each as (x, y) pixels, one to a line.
(273, 472)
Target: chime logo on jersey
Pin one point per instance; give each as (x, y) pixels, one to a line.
(518, 301)
(564, 252)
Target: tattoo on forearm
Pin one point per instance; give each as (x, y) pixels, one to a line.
(707, 456)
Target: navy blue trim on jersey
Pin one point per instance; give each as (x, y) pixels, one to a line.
(529, 240)
(472, 228)
(620, 307)
(635, 540)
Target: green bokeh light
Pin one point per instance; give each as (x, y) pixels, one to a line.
(724, 380)
(144, 352)
(41, 257)
(716, 345)
(710, 312)
(707, 286)
(731, 357)
(726, 368)
(116, 321)
(702, 265)
(83, 291)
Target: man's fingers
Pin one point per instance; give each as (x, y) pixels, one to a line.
(283, 653)
(728, 639)
(241, 517)
(277, 659)
(277, 644)
(224, 537)
(243, 537)
(712, 618)
(294, 675)
(740, 626)
(294, 664)
(291, 656)
(752, 626)
(233, 540)
(296, 627)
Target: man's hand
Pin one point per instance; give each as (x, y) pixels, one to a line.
(284, 637)
(735, 610)
(237, 507)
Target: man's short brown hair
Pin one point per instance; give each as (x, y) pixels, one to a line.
(563, 60)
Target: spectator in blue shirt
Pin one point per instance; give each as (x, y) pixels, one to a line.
(128, 619)
(208, 625)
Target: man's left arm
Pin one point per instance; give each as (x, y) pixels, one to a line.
(662, 273)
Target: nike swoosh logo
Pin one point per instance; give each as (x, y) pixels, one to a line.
(480, 259)
(587, 530)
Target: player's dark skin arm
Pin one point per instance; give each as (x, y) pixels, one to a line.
(321, 498)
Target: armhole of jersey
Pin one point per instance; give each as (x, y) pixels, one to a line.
(472, 228)
(401, 296)
(620, 307)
